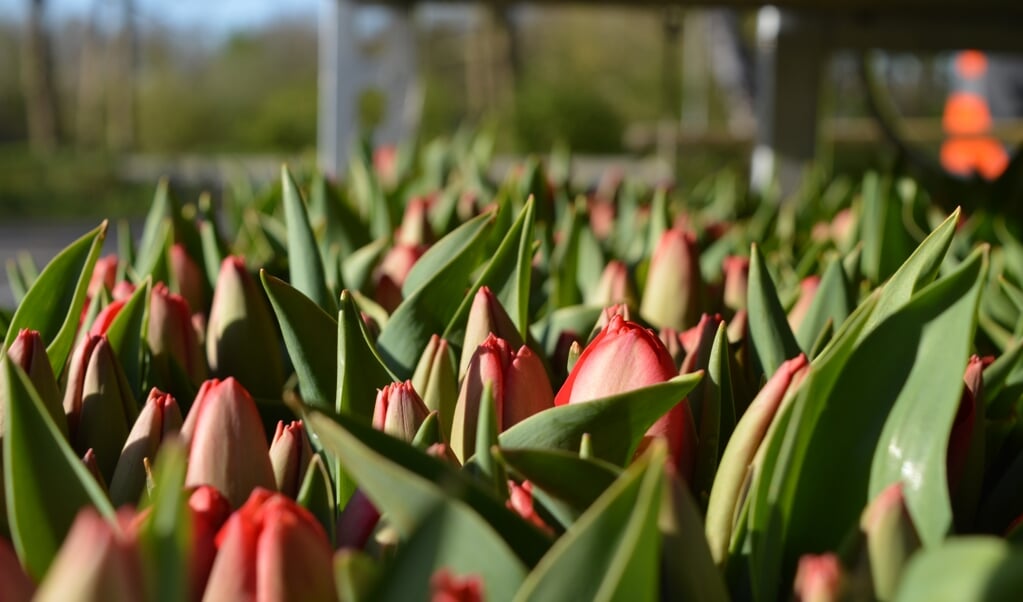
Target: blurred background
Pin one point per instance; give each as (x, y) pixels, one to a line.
(99, 98)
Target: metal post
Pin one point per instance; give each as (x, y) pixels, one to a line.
(400, 84)
(339, 83)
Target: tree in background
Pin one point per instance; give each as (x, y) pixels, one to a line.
(37, 82)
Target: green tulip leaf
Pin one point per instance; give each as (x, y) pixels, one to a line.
(442, 276)
(166, 533)
(769, 329)
(563, 475)
(980, 569)
(885, 240)
(53, 306)
(615, 424)
(453, 538)
(45, 482)
(161, 215)
(310, 335)
(576, 319)
(406, 484)
(688, 571)
(127, 333)
(357, 267)
(305, 265)
(613, 551)
(833, 301)
(316, 495)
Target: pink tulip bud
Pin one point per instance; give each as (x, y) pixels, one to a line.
(959, 441)
(357, 521)
(399, 411)
(807, 291)
(241, 339)
(445, 587)
(96, 562)
(486, 316)
(623, 357)
(609, 312)
(819, 578)
(415, 229)
(17, 585)
(29, 352)
(889, 540)
(290, 454)
(385, 164)
(105, 317)
(89, 460)
(602, 218)
(122, 291)
(672, 340)
(736, 277)
(698, 341)
(98, 403)
(672, 293)
(227, 447)
(159, 419)
(104, 274)
(209, 511)
(391, 273)
(189, 278)
(172, 338)
(520, 500)
(436, 381)
(271, 549)
(615, 286)
(520, 389)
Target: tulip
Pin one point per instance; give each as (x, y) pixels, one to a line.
(399, 411)
(104, 274)
(17, 587)
(96, 562)
(172, 338)
(486, 316)
(602, 218)
(445, 587)
(736, 280)
(160, 418)
(890, 538)
(964, 459)
(390, 275)
(290, 454)
(209, 511)
(609, 312)
(241, 339)
(819, 579)
(697, 342)
(437, 383)
(415, 227)
(385, 164)
(358, 520)
(807, 291)
(106, 317)
(673, 342)
(189, 278)
(671, 297)
(98, 403)
(520, 500)
(227, 447)
(89, 460)
(623, 357)
(520, 389)
(615, 286)
(726, 492)
(29, 352)
(271, 549)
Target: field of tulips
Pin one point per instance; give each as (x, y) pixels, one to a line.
(422, 384)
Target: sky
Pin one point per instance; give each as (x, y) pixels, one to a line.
(220, 15)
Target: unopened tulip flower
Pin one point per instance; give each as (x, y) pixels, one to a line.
(98, 403)
(209, 510)
(290, 454)
(671, 297)
(672, 340)
(390, 275)
(697, 342)
(623, 357)
(436, 381)
(29, 352)
(89, 460)
(520, 389)
(726, 492)
(160, 418)
(486, 316)
(17, 587)
(807, 291)
(227, 447)
(172, 338)
(271, 549)
(189, 277)
(615, 286)
(415, 226)
(445, 587)
(520, 500)
(241, 337)
(399, 411)
(619, 309)
(356, 523)
(967, 445)
(819, 578)
(736, 281)
(104, 275)
(106, 316)
(122, 291)
(889, 539)
(96, 562)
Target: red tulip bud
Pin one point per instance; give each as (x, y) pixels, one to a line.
(96, 562)
(104, 274)
(159, 419)
(391, 273)
(807, 291)
(399, 411)
(357, 521)
(520, 500)
(209, 511)
(415, 227)
(172, 338)
(437, 382)
(889, 540)
(227, 447)
(520, 389)
(106, 317)
(290, 454)
(189, 278)
(819, 579)
(615, 286)
(445, 587)
(623, 357)
(672, 293)
(486, 316)
(29, 352)
(123, 290)
(271, 549)
(736, 277)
